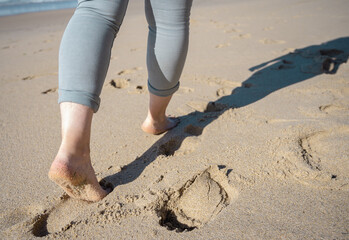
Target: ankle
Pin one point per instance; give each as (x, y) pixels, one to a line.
(75, 147)
(156, 119)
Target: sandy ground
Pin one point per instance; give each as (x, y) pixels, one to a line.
(262, 148)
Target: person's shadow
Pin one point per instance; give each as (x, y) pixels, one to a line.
(294, 67)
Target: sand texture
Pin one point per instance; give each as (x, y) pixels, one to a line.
(261, 152)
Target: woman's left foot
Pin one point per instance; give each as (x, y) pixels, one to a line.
(158, 127)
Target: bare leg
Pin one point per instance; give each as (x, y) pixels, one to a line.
(72, 169)
(157, 122)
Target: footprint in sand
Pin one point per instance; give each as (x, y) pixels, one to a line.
(288, 51)
(62, 216)
(139, 89)
(333, 108)
(268, 28)
(197, 106)
(169, 147)
(42, 50)
(242, 36)
(59, 218)
(120, 83)
(193, 130)
(285, 64)
(320, 65)
(179, 145)
(222, 45)
(50, 90)
(223, 91)
(271, 41)
(47, 41)
(185, 90)
(188, 145)
(246, 85)
(215, 107)
(129, 71)
(218, 24)
(197, 202)
(207, 107)
(228, 27)
(214, 81)
(28, 77)
(323, 159)
(231, 30)
(324, 60)
(18, 215)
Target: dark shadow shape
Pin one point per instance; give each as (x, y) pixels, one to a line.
(291, 68)
(40, 225)
(169, 220)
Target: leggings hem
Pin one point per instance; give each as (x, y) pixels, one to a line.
(90, 100)
(162, 93)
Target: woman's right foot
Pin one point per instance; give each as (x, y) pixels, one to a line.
(76, 176)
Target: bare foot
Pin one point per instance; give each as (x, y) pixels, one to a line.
(158, 127)
(76, 176)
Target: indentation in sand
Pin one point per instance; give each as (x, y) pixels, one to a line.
(321, 64)
(223, 92)
(324, 60)
(42, 50)
(214, 81)
(215, 107)
(306, 152)
(28, 77)
(197, 106)
(193, 130)
(324, 158)
(197, 202)
(188, 145)
(288, 50)
(169, 147)
(185, 90)
(268, 28)
(285, 64)
(50, 90)
(120, 83)
(222, 45)
(247, 85)
(129, 71)
(271, 41)
(40, 225)
(18, 215)
(232, 30)
(59, 218)
(332, 108)
(219, 24)
(242, 36)
(138, 90)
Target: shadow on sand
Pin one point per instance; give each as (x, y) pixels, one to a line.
(270, 76)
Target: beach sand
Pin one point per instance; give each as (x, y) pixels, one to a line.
(261, 151)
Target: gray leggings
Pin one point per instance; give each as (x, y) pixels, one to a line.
(87, 41)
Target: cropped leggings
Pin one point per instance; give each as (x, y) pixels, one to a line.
(85, 48)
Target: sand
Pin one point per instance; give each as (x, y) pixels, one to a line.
(261, 151)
